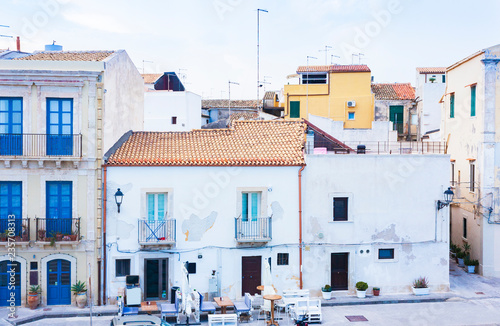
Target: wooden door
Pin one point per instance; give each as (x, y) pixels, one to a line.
(156, 279)
(339, 270)
(250, 274)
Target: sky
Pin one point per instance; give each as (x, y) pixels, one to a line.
(212, 42)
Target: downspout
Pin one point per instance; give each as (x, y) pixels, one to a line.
(104, 246)
(300, 224)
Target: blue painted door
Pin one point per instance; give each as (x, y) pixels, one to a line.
(7, 269)
(11, 205)
(11, 126)
(58, 282)
(59, 207)
(59, 127)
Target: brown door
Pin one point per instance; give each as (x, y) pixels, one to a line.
(250, 274)
(339, 271)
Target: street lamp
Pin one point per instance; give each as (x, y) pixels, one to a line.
(448, 197)
(118, 198)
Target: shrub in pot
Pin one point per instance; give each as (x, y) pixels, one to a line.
(80, 290)
(421, 286)
(327, 292)
(460, 258)
(361, 288)
(33, 299)
(471, 265)
(376, 291)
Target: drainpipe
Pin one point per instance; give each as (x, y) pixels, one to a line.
(300, 224)
(104, 247)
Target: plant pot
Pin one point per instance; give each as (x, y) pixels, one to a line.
(327, 295)
(420, 291)
(361, 294)
(460, 262)
(32, 301)
(471, 269)
(59, 237)
(25, 238)
(81, 299)
(73, 237)
(376, 292)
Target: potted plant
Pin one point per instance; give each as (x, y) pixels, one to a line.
(466, 248)
(80, 290)
(361, 288)
(460, 257)
(33, 293)
(471, 265)
(41, 235)
(59, 236)
(457, 251)
(421, 286)
(73, 237)
(327, 292)
(453, 250)
(376, 291)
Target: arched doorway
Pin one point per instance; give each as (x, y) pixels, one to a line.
(7, 270)
(58, 282)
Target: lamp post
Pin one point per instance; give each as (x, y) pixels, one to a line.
(307, 86)
(447, 199)
(118, 198)
(258, 54)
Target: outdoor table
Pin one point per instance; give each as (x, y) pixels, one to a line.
(149, 308)
(260, 288)
(223, 304)
(272, 298)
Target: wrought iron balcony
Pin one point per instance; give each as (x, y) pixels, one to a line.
(17, 229)
(157, 232)
(40, 146)
(57, 229)
(253, 230)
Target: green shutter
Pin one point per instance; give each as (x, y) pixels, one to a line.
(473, 101)
(244, 206)
(294, 109)
(151, 207)
(255, 206)
(161, 207)
(452, 105)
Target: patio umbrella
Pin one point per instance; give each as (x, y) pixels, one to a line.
(268, 284)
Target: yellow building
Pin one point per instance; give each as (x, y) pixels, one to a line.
(338, 92)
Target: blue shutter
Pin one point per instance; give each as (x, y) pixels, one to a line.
(60, 127)
(161, 207)
(11, 204)
(59, 207)
(11, 126)
(473, 101)
(255, 206)
(244, 206)
(151, 207)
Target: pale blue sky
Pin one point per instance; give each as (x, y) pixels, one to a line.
(214, 41)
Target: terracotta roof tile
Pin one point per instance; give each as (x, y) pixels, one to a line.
(334, 68)
(394, 91)
(247, 143)
(223, 103)
(151, 78)
(431, 70)
(68, 56)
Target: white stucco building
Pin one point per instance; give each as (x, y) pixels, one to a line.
(430, 87)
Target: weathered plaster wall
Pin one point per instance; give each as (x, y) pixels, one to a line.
(161, 106)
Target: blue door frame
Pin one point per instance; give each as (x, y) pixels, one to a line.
(6, 266)
(11, 126)
(59, 207)
(11, 204)
(59, 126)
(58, 282)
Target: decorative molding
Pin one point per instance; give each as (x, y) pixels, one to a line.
(7, 164)
(25, 164)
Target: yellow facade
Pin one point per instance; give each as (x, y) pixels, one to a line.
(330, 100)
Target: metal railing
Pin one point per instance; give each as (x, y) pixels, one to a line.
(395, 147)
(19, 227)
(253, 230)
(157, 231)
(57, 229)
(40, 145)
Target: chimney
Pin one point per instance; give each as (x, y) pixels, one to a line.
(18, 43)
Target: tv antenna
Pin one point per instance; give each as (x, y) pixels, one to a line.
(8, 36)
(326, 53)
(144, 61)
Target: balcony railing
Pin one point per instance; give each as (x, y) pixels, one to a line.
(40, 145)
(253, 230)
(57, 229)
(18, 229)
(157, 232)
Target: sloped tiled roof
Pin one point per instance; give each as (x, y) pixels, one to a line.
(222, 103)
(68, 56)
(334, 68)
(431, 70)
(393, 91)
(227, 122)
(151, 78)
(247, 143)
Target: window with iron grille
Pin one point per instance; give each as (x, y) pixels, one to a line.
(282, 259)
(122, 267)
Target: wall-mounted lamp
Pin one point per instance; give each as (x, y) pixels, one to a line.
(448, 197)
(118, 198)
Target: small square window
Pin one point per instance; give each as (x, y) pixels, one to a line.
(282, 259)
(122, 267)
(350, 116)
(34, 265)
(174, 120)
(386, 253)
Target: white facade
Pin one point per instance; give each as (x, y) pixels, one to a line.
(428, 107)
(171, 111)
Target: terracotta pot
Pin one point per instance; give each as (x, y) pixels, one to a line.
(73, 237)
(376, 292)
(81, 299)
(33, 301)
(59, 237)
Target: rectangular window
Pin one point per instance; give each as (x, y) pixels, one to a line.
(472, 166)
(452, 105)
(350, 116)
(452, 173)
(59, 196)
(11, 126)
(386, 253)
(11, 204)
(250, 205)
(157, 206)
(465, 228)
(294, 109)
(340, 208)
(122, 267)
(59, 126)
(282, 259)
(34, 265)
(314, 78)
(473, 101)
(443, 78)
(174, 120)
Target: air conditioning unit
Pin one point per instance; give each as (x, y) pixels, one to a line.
(351, 104)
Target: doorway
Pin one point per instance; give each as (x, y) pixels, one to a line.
(251, 268)
(156, 279)
(339, 271)
(58, 282)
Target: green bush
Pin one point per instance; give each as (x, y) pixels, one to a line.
(35, 289)
(361, 286)
(470, 262)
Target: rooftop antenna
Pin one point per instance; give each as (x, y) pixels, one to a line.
(359, 57)
(143, 61)
(266, 82)
(326, 53)
(258, 54)
(333, 56)
(352, 57)
(183, 75)
(9, 36)
(229, 99)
